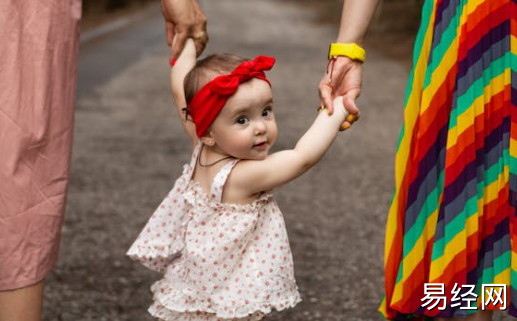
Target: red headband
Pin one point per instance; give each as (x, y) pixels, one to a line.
(210, 99)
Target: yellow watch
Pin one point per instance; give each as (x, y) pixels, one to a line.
(350, 50)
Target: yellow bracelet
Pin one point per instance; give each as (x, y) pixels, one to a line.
(350, 50)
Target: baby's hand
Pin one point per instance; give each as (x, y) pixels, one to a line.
(187, 55)
(349, 118)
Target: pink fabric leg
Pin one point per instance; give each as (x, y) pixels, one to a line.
(38, 79)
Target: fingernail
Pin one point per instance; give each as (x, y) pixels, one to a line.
(345, 126)
(172, 62)
(351, 118)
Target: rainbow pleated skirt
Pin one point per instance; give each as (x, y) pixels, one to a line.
(453, 217)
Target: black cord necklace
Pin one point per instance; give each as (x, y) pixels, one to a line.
(211, 164)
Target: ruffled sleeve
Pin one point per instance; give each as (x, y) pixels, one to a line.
(163, 237)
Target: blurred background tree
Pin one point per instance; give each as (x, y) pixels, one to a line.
(97, 12)
(393, 28)
(95, 6)
(392, 32)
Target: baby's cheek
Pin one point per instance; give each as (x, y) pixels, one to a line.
(273, 134)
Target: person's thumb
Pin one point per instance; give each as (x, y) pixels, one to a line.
(349, 101)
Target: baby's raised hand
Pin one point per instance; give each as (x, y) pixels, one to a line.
(188, 54)
(185, 62)
(180, 69)
(338, 107)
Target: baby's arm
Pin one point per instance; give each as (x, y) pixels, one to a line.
(184, 64)
(281, 167)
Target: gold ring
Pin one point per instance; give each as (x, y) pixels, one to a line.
(320, 107)
(200, 36)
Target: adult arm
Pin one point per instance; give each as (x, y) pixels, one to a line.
(355, 19)
(344, 75)
(184, 19)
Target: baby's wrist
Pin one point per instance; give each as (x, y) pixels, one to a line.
(337, 117)
(339, 107)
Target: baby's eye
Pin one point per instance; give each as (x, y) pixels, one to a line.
(242, 120)
(267, 111)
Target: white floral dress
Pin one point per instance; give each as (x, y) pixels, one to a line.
(221, 261)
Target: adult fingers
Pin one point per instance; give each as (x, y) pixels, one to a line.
(326, 95)
(200, 41)
(199, 34)
(344, 126)
(351, 107)
(349, 102)
(177, 46)
(169, 32)
(200, 46)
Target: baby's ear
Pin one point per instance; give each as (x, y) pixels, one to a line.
(207, 139)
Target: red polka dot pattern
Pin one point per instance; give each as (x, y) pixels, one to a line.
(220, 261)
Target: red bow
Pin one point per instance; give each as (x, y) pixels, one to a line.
(210, 99)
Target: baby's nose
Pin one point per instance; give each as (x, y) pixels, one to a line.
(260, 127)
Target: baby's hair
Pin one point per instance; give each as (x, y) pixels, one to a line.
(207, 69)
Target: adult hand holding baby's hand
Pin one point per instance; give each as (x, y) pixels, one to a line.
(184, 19)
(344, 78)
(339, 108)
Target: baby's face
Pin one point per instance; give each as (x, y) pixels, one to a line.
(246, 127)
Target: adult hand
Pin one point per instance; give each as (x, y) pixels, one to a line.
(184, 19)
(343, 78)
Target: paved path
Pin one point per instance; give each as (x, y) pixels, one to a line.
(129, 148)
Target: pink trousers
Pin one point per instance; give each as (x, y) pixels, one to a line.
(38, 58)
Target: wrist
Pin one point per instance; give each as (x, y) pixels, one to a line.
(339, 109)
(351, 50)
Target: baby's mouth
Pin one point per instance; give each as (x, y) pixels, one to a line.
(262, 144)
